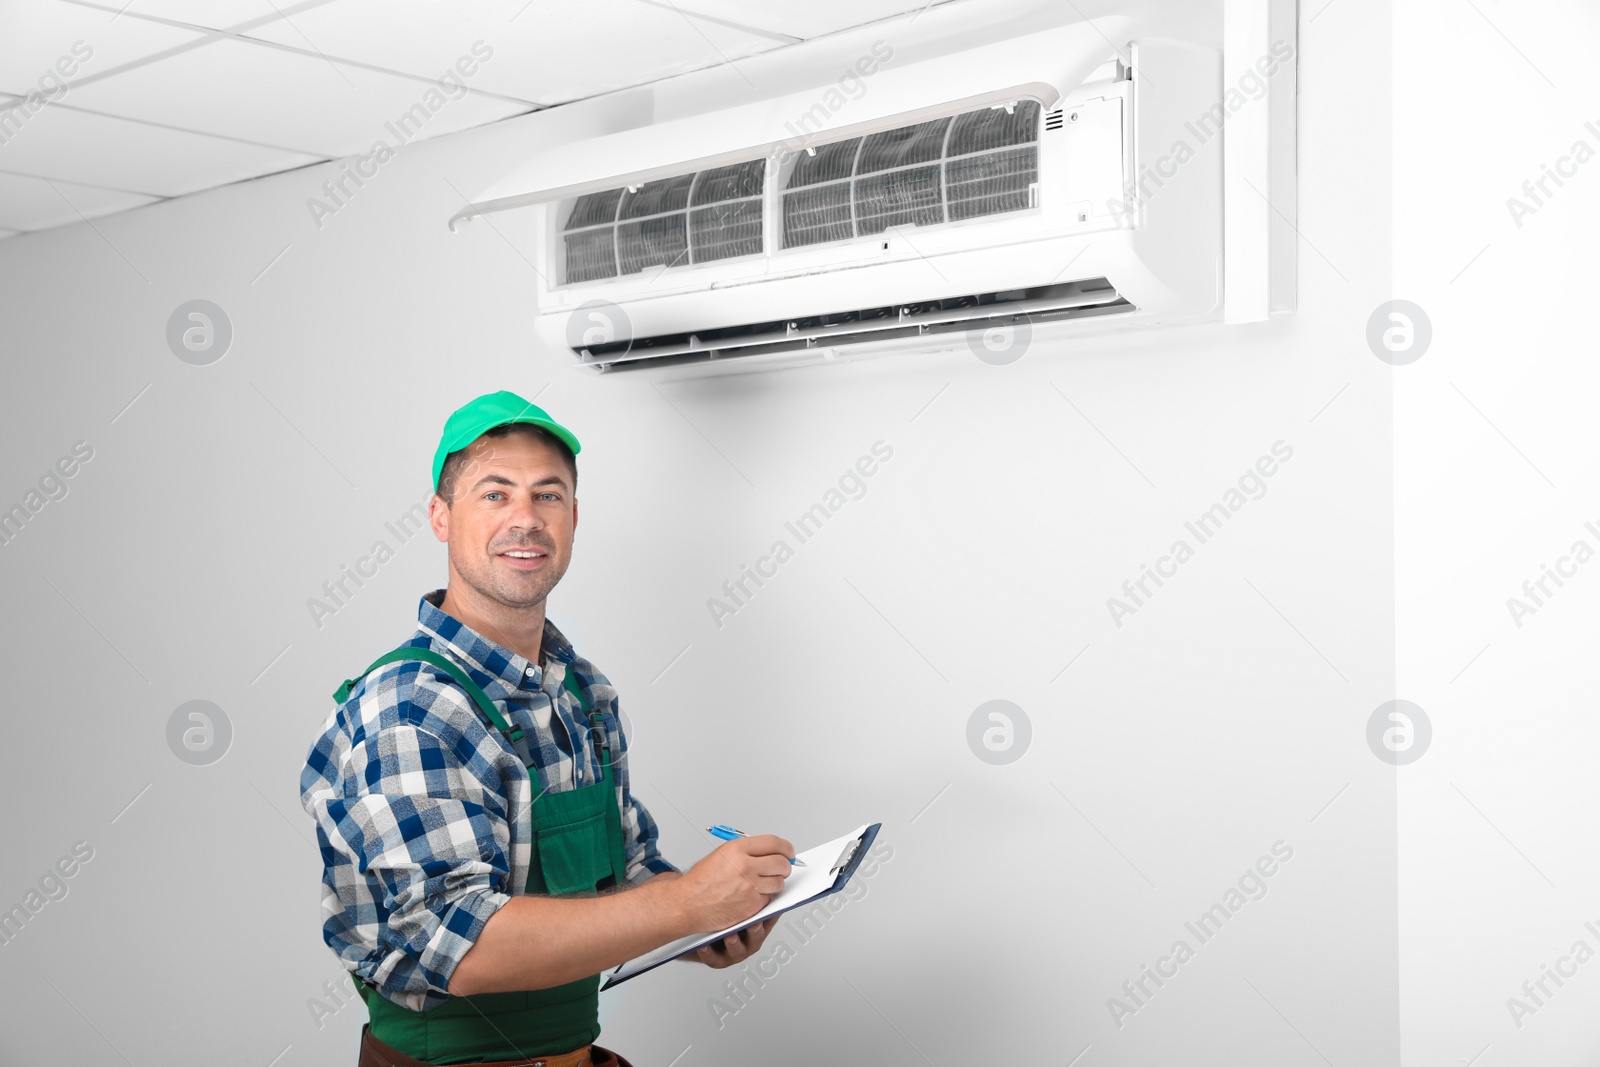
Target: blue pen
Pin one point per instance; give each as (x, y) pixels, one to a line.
(728, 833)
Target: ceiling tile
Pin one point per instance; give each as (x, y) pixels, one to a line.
(37, 204)
(69, 145)
(544, 51)
(302, 102)
(40, 33)
(211, 14)
(810, 19)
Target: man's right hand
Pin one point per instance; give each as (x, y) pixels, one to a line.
(735, 881)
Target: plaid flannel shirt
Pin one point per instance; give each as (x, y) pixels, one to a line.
(423, 809)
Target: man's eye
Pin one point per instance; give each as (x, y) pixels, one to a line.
(494, 492)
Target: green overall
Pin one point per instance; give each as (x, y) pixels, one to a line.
(577, 849)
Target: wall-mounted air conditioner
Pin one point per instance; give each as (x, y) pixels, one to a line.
(1070, 179)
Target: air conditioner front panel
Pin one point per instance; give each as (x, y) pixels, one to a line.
(1080, 177)
(1097, 225)
(902, 84)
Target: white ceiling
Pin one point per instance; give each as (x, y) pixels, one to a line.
(141, 100)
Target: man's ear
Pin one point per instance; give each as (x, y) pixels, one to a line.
(439, 517)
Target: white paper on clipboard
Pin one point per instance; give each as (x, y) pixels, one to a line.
(806, 883)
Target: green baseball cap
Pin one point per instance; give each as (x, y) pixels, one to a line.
(473, 418)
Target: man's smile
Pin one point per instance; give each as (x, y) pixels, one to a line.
(524, 559)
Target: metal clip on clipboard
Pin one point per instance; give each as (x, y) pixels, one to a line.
(845, 857)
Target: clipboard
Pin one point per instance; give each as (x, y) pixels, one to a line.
(838, 858)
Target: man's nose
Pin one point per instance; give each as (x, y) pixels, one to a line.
(525, 516)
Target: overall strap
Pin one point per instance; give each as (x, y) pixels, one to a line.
(571, 682)
(615, 842)
(511, 733)
(596, 719)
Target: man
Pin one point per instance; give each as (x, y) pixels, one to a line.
(484, 857)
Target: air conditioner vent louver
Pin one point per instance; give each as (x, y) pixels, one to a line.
(977, 163)
(689, 218)
(1054, 120)
(922, 318)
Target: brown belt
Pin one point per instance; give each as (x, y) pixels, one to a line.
(375, 1053)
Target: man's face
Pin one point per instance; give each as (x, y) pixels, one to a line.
(514, 494)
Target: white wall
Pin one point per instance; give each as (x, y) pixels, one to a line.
(1175, 751)
(1496, 476)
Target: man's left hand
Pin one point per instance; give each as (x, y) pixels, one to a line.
(735, 948)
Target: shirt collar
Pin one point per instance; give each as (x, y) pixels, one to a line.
(446, 633)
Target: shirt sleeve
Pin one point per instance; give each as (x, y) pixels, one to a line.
(434, 837)
(638, 828)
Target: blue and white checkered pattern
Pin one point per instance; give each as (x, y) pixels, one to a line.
(423, 809)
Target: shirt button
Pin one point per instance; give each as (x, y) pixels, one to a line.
(530, 672)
